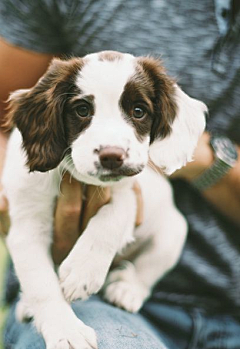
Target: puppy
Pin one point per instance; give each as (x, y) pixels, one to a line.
(99, 117)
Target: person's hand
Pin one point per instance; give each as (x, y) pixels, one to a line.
(224, 195)
(73, 213)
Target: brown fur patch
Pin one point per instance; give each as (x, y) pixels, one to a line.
(152, 88)
(138, 92)
(39, 114)
(165, 107)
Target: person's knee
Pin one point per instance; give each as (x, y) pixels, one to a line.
(115, 328)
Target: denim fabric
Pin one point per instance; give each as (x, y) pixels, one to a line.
(115, 328)
(159, 326)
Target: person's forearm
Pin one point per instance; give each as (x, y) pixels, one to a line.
(225, 194)
(203, 158)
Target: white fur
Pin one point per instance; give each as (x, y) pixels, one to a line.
(32, 196)
(177, 149)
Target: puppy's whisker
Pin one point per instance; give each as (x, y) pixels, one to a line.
(91, 198)
(100, 193)
(72, 173)
(66, 150)
(62, 170)
(154, 167)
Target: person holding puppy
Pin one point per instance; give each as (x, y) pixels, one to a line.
(197, 304)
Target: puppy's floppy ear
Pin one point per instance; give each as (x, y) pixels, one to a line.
(176, 149)
(38, 114)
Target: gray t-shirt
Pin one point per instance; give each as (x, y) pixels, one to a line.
(207, 65)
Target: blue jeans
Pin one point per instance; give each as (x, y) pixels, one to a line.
(158, 326)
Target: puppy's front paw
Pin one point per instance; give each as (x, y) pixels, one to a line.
(81, 336)
(68, 332)
(80, 280)
(124, 290)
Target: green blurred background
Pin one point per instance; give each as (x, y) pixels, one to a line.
(3, 310)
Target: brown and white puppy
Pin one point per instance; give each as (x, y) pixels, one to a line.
(100, 117)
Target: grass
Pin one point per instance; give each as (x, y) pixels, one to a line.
(3, 310)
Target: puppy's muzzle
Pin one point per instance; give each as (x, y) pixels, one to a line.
(111, 165)
(112, 158)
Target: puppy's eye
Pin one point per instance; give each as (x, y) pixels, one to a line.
(138, 112)
(84, 110)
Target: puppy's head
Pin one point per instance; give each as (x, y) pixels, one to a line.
(107, 112)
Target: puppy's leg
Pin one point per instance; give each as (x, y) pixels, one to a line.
(29, 242)
(84, 270)
(130, 285)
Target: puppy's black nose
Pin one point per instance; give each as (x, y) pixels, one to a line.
(112, 157)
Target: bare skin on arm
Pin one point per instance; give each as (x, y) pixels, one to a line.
(224, 195)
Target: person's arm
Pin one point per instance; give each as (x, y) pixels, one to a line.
(225, 194)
